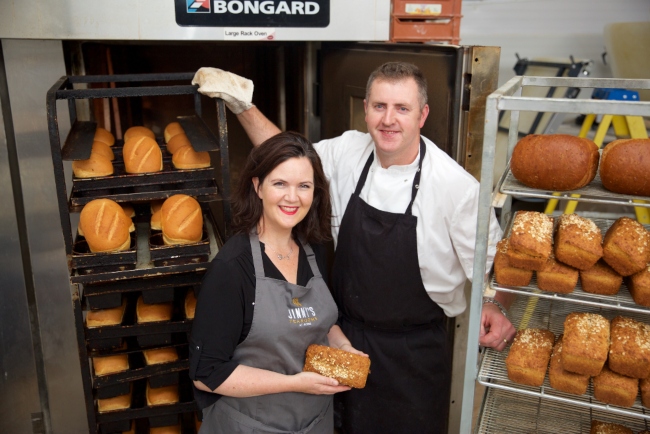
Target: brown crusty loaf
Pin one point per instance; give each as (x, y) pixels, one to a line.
(104, 136)
(644, 387)
(105, 226)
(181, 220)
(615, 389)
(162, 395)
(598, 427)
(578, 241)
(557, 277)
(504, 273)
(138, 131)
(158, 356)
(106, 365)
(120, 402)
(531, 240)
(586, 343)
(95, 166)
(529, 355)
(177, 142)
(172, 129)
(169, 429)
(629, 350)
(625, 247)
(105, 317)
(639, 286)
(554, 162)
(347, 368)
(560, 378)
(187, 158)
(153, 312)
(601, 279)
(142, 155)
(190, 304)
(625, 167)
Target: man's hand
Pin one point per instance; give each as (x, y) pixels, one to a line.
(236, 91)
(496, 331)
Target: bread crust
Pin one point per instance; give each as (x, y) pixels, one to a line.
(153, 312)
(625, 167)
(601, 279)
(562, 379)
(557, 277)
(615, 389)
(172, 129)
(555, 162)
(187, 158)
(529, 356)
(598, 427)
(105, 226)
(95, 166)
(102, 149)
(347, 368)
(105, 317)
(578, 241)
(644, 387)
(626, 248)
(531, 240)
(120, 402)
(138, 131)
(190, 304)
(586, 343)
(181, 220)
(629, 351)
(177, 142)
(158, 356)
(639, 286)
(106, 365)
(142, 155)
(170, 429)
(104, 136)
(162, 395)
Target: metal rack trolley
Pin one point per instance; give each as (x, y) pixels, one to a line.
(508, 97)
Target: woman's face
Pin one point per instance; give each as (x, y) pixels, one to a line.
(287, 193)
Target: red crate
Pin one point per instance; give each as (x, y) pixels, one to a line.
(443, 29)
(427, 8)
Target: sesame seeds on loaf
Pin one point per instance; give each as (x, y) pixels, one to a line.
(531, 240)
(578, 242)
(529, 355)
(586, 343)
(347, 368)
(598, 427)
(629, 351)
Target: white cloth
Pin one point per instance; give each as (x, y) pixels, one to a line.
(236, 91)
(446, 206)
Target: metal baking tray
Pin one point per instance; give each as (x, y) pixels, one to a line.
(621, 301)
(86, 262)
(533, 312)
(162, 254)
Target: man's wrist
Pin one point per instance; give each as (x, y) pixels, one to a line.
(497, 304)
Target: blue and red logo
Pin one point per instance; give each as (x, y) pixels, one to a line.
(198, 6)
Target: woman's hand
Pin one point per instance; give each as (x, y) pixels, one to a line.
(350, 349)
(316, 384)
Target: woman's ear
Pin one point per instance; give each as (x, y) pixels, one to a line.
(256, 184)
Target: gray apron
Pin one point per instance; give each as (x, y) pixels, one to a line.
(287, 318)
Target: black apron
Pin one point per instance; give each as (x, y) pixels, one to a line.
(387, 314)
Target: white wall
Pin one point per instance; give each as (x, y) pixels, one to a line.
(546, 28)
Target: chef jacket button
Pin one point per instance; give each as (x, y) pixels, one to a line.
(197, 347)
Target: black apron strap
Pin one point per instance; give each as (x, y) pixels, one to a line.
(416, 180)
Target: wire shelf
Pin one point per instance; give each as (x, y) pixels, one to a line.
(548, 314)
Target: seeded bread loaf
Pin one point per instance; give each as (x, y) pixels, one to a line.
(557, 277)
(639, 286)
(615, 389)
(529, 355)
(578, 242)
(555, 162)
(347, 368)
(626, 248)
(644, 387)
(625, 167)
(586, 343)
(531, 240)
(629, 351)
(560, 378)
(601, 279)
(598, 427)
(506, 274)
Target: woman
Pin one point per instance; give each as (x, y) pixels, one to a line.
(263, 301)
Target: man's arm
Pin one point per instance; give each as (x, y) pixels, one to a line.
(257, 126)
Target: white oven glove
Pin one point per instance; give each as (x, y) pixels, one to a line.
(236, 91)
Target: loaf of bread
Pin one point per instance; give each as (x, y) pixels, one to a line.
(105, 317)
(615, 389)
(102, 149)
(162, 395)
(506, 274)
(138, 131)
(94, 167)
(121, 402)
(142, 155)
(129, 211)
(601, 279)
(560, 378)
(190, 304)
(104, 136)
(153, 312)
(158, 356)
(187, 158)
(172, 129)
(177, 142)
(106, 365)
(181, 220)
(625, 167)
(531, 240)
(105, 226)
(554, 162)
(557, 277)
(625, 247)
(586, 343)
(578, 242)
(529, 355)
(639, 286)
(629, 350)
(598, 427)
(347, 368)
(170, 429)
(644, 387)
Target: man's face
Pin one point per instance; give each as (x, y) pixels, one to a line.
(394, 120)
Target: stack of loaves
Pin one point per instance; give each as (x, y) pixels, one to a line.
(100, 162)
(179, 218)
(616, 356)
(183, 154)
(105, 226)
(575, 249)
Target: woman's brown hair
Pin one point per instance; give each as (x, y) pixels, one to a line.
(247, 206)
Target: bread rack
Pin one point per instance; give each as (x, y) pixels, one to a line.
(500, 394)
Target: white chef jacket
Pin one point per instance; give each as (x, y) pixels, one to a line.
(446, 207)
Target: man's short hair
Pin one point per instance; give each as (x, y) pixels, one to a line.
(397, 71)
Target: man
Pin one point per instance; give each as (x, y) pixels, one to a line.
(404, 225)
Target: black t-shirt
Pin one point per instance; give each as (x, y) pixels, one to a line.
(224, 310)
